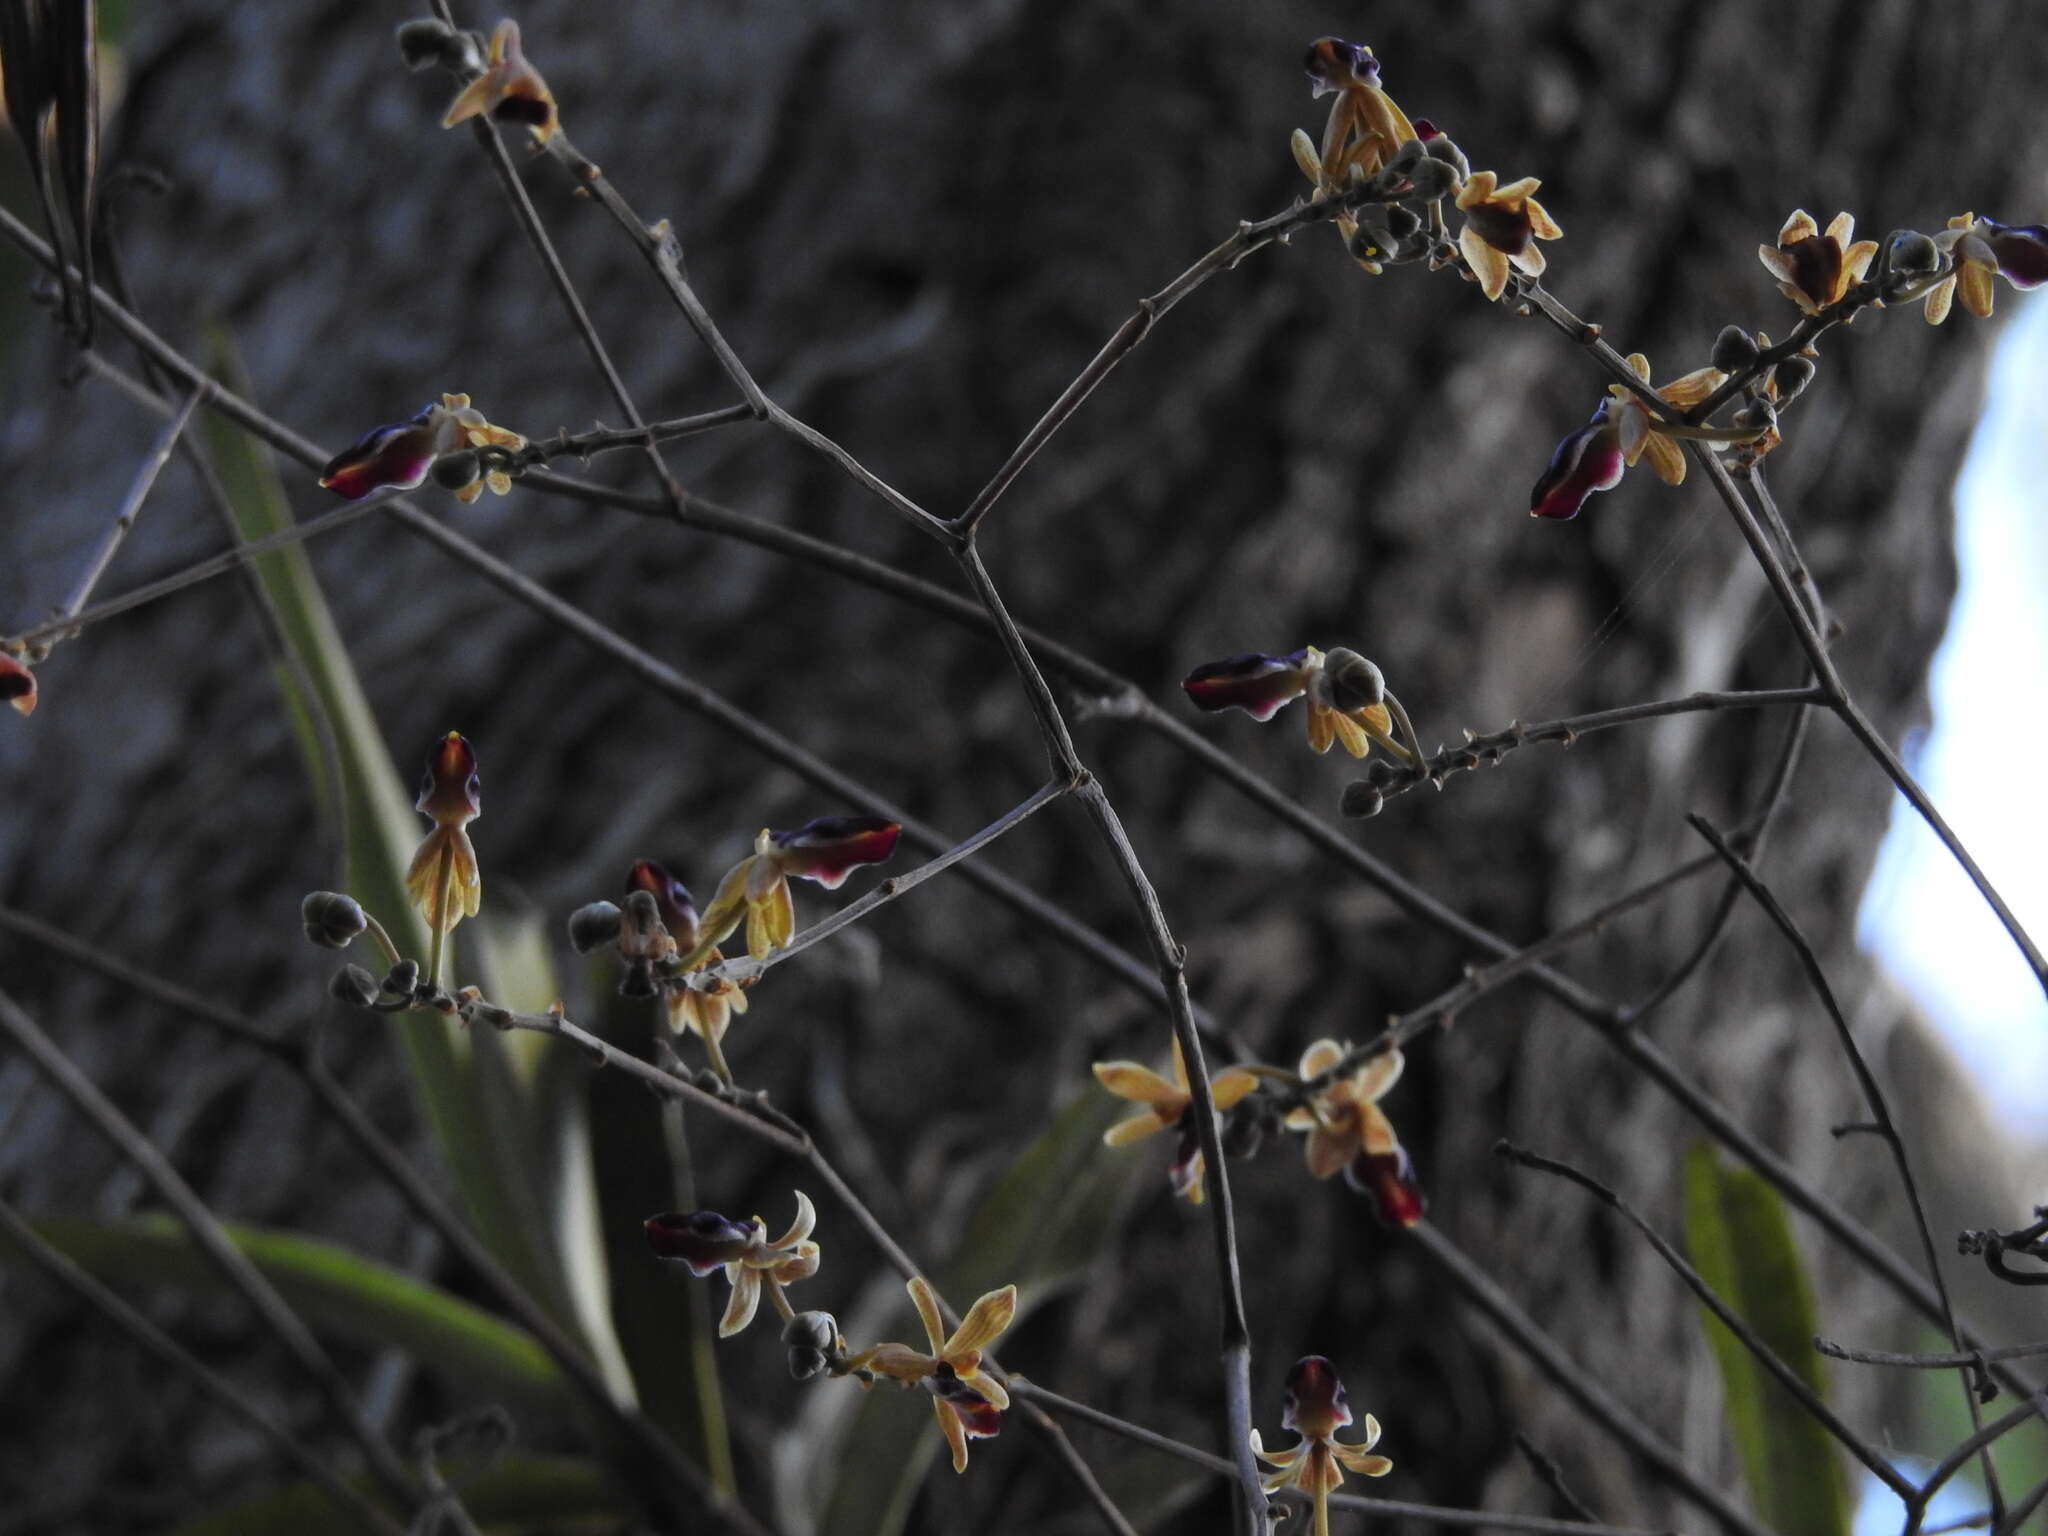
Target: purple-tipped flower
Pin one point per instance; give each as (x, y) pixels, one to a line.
(1588, 460)
(2021, 250)
(1388, 1180)
(17, 684)
(397, 456)
(1315, 1409)
(1335, 65)
(704, 1240)
(671, 900)
(830, 848)
(1253, 682)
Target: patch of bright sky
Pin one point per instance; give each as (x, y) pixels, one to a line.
(1983, 758)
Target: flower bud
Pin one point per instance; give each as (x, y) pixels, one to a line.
(704, 1240)
(1734, 349)
(403, 979)
(353, 985)
(593, 926)
(1432, 178)
(672, 901)
(1353, 682)
(426, 41)
(1791, 376)
(814, 1342)
(453, 471)
(1439, 146)
(1361, 800)
(1910, 254)
(331, 919)
(1333, 64)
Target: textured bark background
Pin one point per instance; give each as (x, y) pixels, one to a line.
(917, 224)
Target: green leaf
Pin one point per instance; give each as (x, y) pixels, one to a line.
(382, 828)
(529, 1496)
(479, 1358)
(1740, 1242)
(1038, 1226)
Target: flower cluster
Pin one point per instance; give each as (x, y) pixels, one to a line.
(1404, 170)
(1347, 697)
(755, 891)
(1343, 1127)
(1315, 1409)
(441, 440)
(1978, 249)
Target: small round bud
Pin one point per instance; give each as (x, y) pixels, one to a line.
(1244, 1131)
(403, 979)
(331, 919)
(1734, 349)
(353, 985)
(1759, 413)
(1433, 178)
(425, 41)
(812, 1330)
(1354, 682)
(1361, 800)
(1791, 376)
(806, 1364)
(1408, 156)
(452, 471)
(594, 926)
(1910, 254)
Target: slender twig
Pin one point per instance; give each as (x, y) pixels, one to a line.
(1783, 1374)
(1948, 1360)
(131, 505)
(1963, 1454)
(1873, 1098)
(210, 1237)
(1551, 1475)
(2016, 1517)
(1621, 1422)
(1137, 1434)
(417, 1191)
(1393, 779)
(68, 1273)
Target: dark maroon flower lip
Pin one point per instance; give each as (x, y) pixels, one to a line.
(1254, 682)
(2022, 252)
(1315, 1397)
(397, 455)
(1588, 460)
(1816, 267)
(671, 899)
(17, 685)
(830, 848)
(1507, 230)
(452, 791)
(979, 1417)
(1333, 64)
(704, 1240)
(1388, 1180)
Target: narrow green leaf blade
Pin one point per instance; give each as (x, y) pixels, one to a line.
(1738, 1238)
(478, 1357)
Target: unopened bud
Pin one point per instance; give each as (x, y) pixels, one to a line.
(1791, 376)
(1354, 682)
(1433, 178)
(812, 1330)
(1361, 800)
(1910, 254)
(425, 41)
(331, 919)
(353, 985)
(403, 979)
(453, 471)
(1734, 349)
(594, 926)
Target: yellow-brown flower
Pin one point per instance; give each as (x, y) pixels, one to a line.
(1814, 269)
(1316, 1409)
(443, 880)
(1345, 1119)
(1502, 226)
(1166, 1108)
(510, 89)
(967, 1402)
(705, 1241)
(1644, 436)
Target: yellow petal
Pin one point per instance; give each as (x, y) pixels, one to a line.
(1488, 265)
(806, 1218)
(1689, 389)
(1776, 262)
(1638, 365)
(1375, 1131)
(956, 1436)
(1977, 291)
(1855, 262)
(1516, 191)
(1667, 459)
(984, 1320)
(1227, 1087)
(991, 1390)
(1141, 1085)
(474, 97)
(470, 492)
(1350, 733)
(1541, 224)
(1938, 299)
(1305, 156)
(1321, 727)
(1299, 1120)
(898, 1362)
(1319, 1058)
(1531, 259)
(927, 1310)
(1478, 188)
(1841, 227)
(1632, 429)
(1135, 1129)
(1799, 227)
(746, 1296)
(770, 921)
(1328, 1150)
(1361, 1461)
(1378, 1075)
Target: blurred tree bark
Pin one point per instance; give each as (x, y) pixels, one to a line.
(917, 226)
